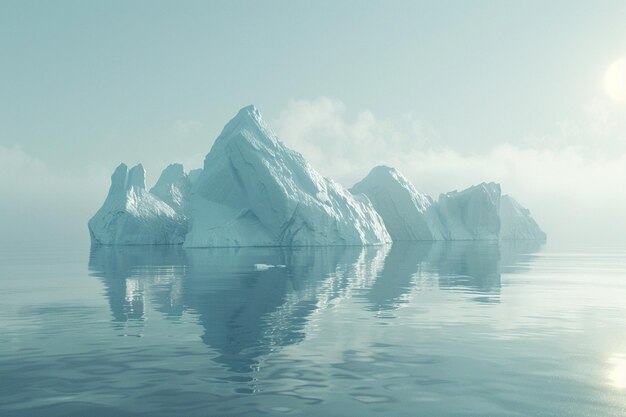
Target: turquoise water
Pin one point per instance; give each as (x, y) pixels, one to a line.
(432, 329)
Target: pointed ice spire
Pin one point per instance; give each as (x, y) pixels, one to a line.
(118, 180)
(170, 175)
(172, 186)
(136, 178)
(249, 123)
(408, 215)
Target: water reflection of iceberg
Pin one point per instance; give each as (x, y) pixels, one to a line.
(403, 262)
(470, 266)
(465, 266)
(133, 275)
(517, 255)
(476, 266)
(247, 312)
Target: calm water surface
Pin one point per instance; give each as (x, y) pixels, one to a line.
(432, 329)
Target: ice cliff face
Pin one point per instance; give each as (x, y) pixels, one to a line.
(254, 191)
(471, 214)
(517, 223)
(131, 215)
(408, 215)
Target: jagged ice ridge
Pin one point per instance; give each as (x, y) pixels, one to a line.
(254, 191)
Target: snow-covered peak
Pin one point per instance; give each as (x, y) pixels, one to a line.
(384, 173)
(254, 191)
(387, 179)
(382, 169)
(408, 215)
(490, 188)
(171, 174)
(248, 124)
(172, 187)
(248, 140)
(250, 112)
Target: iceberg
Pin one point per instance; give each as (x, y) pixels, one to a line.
(517, 223)
(131, 215)
(254, 191)
(408, 215)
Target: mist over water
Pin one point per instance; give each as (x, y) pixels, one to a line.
(435, 328)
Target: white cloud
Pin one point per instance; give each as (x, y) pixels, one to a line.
(345, 149)
(14, 160)
(186, 127)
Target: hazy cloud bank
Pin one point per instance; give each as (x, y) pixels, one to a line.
(39, 204)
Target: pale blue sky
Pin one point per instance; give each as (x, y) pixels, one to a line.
(96, 75)
(85, 85)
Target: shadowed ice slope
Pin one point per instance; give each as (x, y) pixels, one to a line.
(517, 222)
(254, 191)
(408, 215)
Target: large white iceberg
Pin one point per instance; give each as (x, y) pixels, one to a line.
(254, 191)
(408, 215)
(131, 215)
(516, 222)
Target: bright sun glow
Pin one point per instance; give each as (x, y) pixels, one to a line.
(615, 80)
(617, 376)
